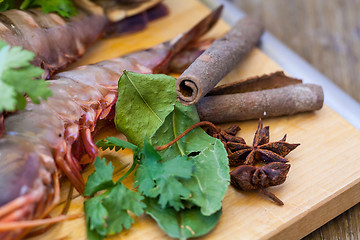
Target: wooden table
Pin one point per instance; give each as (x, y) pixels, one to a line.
(327, 35)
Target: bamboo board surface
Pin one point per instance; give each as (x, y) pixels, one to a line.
(324, 179)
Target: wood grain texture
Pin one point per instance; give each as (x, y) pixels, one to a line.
(326, 34)
(324, 178)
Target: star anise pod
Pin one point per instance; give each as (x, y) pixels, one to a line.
(227, 135)
(247, 178)
(262, 149)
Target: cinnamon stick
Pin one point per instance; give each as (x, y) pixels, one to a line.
(218, 60)
(267, 81)
(261, 104)
(185, 58)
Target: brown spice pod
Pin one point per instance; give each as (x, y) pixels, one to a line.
(261, 104)
(217, 61)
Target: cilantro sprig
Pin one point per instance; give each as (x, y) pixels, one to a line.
(107, 213)
(6, 4)
(18, 77)
(64, 8)
(162, 179)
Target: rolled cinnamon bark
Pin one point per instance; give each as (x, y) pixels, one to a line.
(217, 61)
(261, 104)
(267, 81)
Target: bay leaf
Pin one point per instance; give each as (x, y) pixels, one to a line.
(144, 100)
(175, 124)
(210, 178)
(183, 224)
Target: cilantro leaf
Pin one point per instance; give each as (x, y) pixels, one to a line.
(6, 5)
(96, 215)
(162, 179)
(118, 144)
(18, 77)
(64, 8)
(7, 97)
(119, 201)
(107, 214)
(101, 179)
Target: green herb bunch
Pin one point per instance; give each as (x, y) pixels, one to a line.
(181, 187)
(18, 77)
(64, 8)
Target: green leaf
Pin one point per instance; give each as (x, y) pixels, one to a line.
(96, 215)
(118, 144)
(175, 124)
(92, 234)
(19, 77)
(113, 142)
(155, 115)
(148, 168)
(20, 101)
(162, 179)
(7, 97)
(210, 179)
(152, 98)
(107, 214)
(100, 179)
(6, 5)
(118, 202)
(181, 224)
(64, 8)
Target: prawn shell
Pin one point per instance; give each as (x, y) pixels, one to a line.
(55, 41)
(20, 172)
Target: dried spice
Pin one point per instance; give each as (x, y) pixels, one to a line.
(262, 149)
(184, 59)
(218, 60)
(227, 135)
(247, 178)
(266, 103)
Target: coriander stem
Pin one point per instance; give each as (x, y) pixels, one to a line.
(129, 171)
(199, 124)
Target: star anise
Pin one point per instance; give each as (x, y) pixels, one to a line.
(227, 135)
(262, 149)
(247, 178)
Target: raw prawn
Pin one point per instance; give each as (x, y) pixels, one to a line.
(32, 153)
(58, 41)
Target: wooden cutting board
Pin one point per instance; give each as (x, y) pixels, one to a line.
(324, 178)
